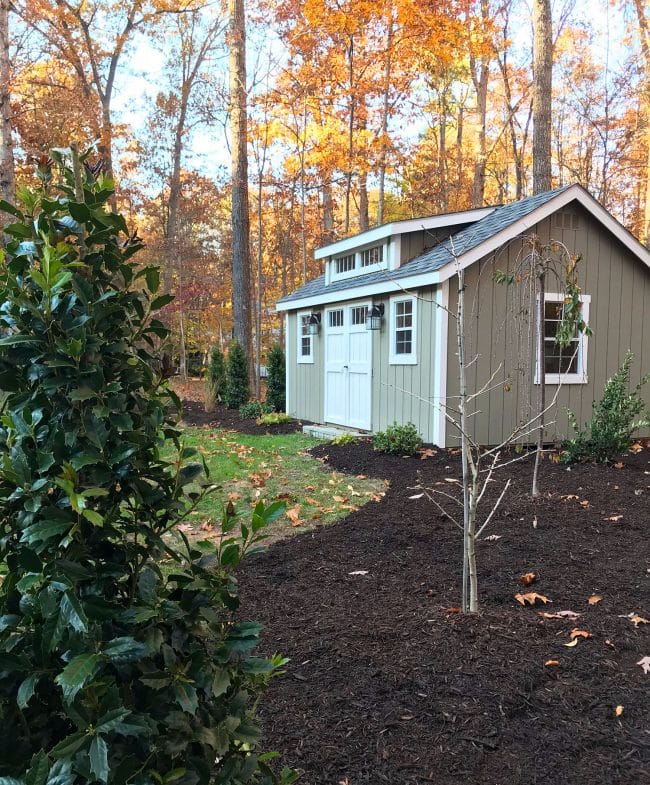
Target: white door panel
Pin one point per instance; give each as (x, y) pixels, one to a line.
(348, 368)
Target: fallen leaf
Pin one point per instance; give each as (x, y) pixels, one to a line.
(451, 479)
(618, 711)
(559, 615)
(594, 599)
(234, 496)
(453, 610)
(313, 502)
(531, 598)
(576, 633)
(358, 572)
(613, 518)
(528, 578)
(609, 643)
(293, 514)
(636, 619)
(571, 644)
(569, 496)
(428, 453)
(361, 477)
(552, 663)
(417, 496)
(644, 662)
(636, 447)
(618, 465)
(493, 537)
(584, 503)
(340, 499)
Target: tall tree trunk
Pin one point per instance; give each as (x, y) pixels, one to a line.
(328, 212)
(480, 77)
(388, 64)
(542, 86)
(351, 122)
(241, 273)
(644, 33)
(541, 371)
(7, 186)
(364, 218)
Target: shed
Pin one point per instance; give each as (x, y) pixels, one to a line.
(404, 274)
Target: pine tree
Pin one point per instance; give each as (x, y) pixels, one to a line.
(215, 379)
(237, 390)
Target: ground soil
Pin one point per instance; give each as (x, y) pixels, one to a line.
(194, 414)
(388, 683)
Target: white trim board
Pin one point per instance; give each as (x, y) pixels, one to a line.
(493, 243)
(401, 227)
(439, 365)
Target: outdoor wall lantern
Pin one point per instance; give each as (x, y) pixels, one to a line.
(314, 324)
(375, 317)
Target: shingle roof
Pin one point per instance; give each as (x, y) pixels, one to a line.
(439, 256)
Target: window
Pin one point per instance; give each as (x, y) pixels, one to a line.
(305, 346)
(403, 331)
(563, 365)
(373, 255)
(356, 262)
(345, 263)
(335, 318)
(359, 313)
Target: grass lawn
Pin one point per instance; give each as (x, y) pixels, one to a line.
(249, 468)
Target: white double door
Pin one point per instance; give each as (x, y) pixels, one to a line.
(348, 366)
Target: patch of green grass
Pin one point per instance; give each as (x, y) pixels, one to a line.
(271, 467)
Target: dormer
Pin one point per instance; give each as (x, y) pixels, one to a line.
(389, 246)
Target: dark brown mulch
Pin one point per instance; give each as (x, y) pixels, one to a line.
(194, 413)
(386, 685)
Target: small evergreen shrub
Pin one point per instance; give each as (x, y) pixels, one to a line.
(112, 670)
(613, 421)
(215, 380)
(237, 390)
(276, 394)
(398, 439)
(273, 418)
(254, 409)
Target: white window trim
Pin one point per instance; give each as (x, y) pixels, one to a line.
(358, 269)
(403, 359)
(303, 358)
(583, 345)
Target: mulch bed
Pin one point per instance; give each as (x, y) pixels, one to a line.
(386, 684)
(194, 414)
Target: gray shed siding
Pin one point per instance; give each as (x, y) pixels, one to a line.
(305, 380)
(619, 287)
(400, 393)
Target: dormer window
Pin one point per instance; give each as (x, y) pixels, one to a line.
(364, 260)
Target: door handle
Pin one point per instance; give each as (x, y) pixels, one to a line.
(345, 367)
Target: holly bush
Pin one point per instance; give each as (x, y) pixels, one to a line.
(276, 394)
(121, 659)
(237, 390)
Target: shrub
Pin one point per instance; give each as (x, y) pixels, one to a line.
(254, 409)
(112, 670)
(398, 439)
(273, 418)
(276, 394)
(215, 380)
(613, 421)
(343, 439)
(237, 391)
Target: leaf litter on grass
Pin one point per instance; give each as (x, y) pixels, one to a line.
(247, 469)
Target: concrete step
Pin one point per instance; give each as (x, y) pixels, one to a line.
(329, 431)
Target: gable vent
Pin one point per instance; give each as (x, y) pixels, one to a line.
(566, 220)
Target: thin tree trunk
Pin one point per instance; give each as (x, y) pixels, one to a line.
(542, 86)
(644, 32)
(328, 212)
(480, 77)
(241, 274)
(258, 301)
(541, 372)
(351, 121)
(465, 446)
(384, 117)
(364, 218)
(7, 185)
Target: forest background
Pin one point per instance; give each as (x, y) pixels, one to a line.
(360, 112)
